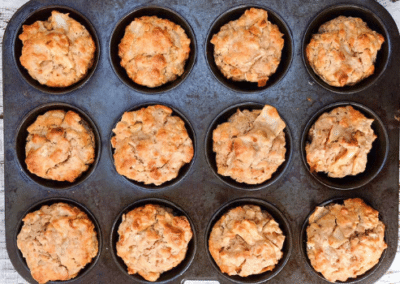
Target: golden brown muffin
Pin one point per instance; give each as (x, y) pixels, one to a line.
(248, 49)
(345, 241)
(340, 142)
(57, 241)
(344, 51)
(251, 145)
(246, 241)
(152, 240)
(57, 52)
(153, 51)
(60, 146)
(151, 145)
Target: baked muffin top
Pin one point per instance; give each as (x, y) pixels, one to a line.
(60, 146)
(246, 241)
(152, 240)
(251, 145)
(57, 241)
(340, 142)
(57, 52)
(151, 145)
(344, 50)
(345, 241)
(153, 51)
(248, 49)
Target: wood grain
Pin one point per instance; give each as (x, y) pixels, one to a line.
(7, 273)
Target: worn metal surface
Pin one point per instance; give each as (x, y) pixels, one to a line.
(200, 98)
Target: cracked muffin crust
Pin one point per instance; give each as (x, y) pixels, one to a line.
(152, 240)
(340, 142)
(248, 49)
(57, 241)
(153, 51)
(345, 241)
(246, 241)
(57, 52)
(60, 146)
(251, 145)
(151, 145)
(344, 51)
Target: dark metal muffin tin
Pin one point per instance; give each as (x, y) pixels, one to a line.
(201, 98)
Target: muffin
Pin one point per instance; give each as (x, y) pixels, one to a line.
(152, 240)
(57, 52)
(248, 49)
(60, 146)
(344, 50)
(151, 145)
(246, 241)
(340, 142)
(250, 147)
(153, 51)
(57, 241)
(345, 241)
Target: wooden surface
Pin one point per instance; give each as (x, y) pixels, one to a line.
(7, 273)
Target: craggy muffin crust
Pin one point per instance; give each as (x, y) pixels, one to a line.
(60, 146)
(153, 51)
(152, 240)
(340, 142)
(251, 145)
(248, 49)
(57, 52)
(151, 145)
(345, 241)
(57, 241)
(344, 51)
(246, 241)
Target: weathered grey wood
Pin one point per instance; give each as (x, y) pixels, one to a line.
(7, 273)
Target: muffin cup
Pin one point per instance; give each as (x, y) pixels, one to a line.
(283, 225)
(184, 170)
(43, 14)
(22, 134)
(303, 244)
(71, 202)
(119, 32)
(376, 157)
(211, 156)
(244, 86)
(373, 22)
(167, 276)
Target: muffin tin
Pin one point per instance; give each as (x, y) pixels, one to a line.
(201, 99)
